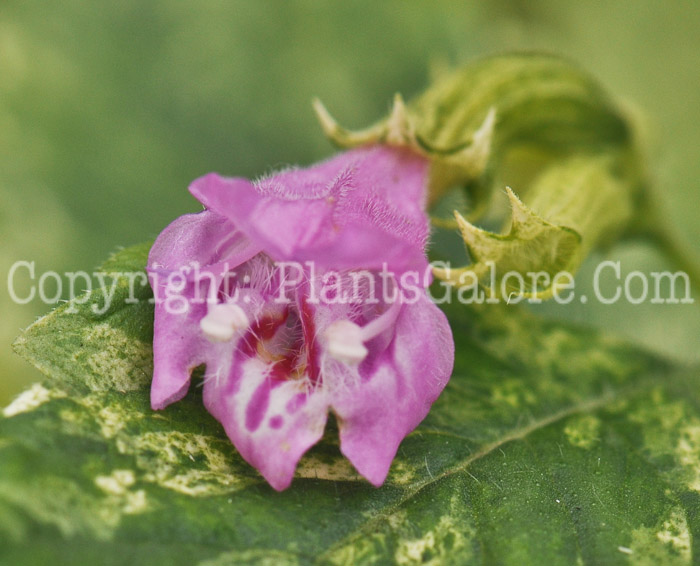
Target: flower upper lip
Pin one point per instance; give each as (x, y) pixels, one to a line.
(337, 224)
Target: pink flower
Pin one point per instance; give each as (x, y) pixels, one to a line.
(257, 287)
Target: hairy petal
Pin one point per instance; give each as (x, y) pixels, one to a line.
(178, 343)
(337, 213)
(397, 390)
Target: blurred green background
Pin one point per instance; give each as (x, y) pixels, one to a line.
(109, 110)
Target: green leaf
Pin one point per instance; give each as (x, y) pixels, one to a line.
(551, 445)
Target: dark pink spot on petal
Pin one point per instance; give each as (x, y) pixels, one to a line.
(309, 331)
(257, 406)
(295, 403)
(276, 422)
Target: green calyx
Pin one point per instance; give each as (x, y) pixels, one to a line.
(568, 149)
(581, 204)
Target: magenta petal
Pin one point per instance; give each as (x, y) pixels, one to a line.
(177, 350)
(337, 213)
(272, 423)
(178, 344)
(405, 381)
(206, 238)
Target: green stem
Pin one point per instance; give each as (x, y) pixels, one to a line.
(678, 253)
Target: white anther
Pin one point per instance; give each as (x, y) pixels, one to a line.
(223, 321)
(344, 341)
